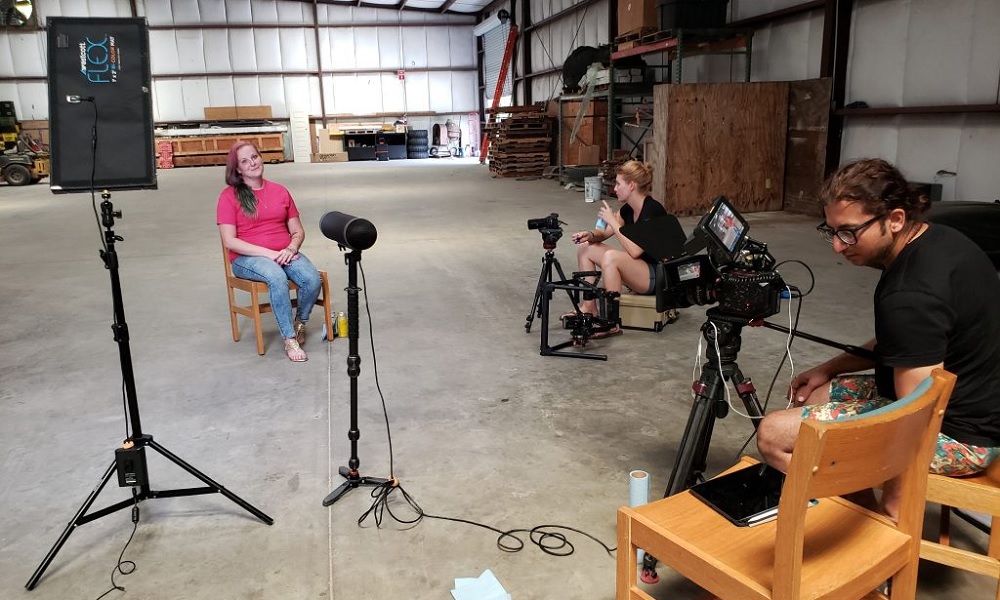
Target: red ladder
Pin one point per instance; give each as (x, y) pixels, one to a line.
(501, 79)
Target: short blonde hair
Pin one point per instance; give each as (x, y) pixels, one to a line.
(639, 173)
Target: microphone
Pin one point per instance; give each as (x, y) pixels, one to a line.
(350, 232)
(74, 99)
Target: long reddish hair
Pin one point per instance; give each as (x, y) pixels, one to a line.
(233, 176)
(248, 200)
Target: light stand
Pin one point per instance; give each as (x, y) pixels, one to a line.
(130, 461)
(352, 477)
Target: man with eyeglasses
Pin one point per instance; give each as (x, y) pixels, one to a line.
(937, 304)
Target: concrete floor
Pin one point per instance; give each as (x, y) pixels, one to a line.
(483, 428)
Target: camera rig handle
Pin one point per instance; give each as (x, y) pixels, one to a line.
(848, 348)
(756, 256)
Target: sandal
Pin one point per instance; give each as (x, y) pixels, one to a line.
(294, 351)
(300, 332)
(573, 313)
(600, 335)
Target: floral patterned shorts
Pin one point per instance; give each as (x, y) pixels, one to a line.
(856, 394)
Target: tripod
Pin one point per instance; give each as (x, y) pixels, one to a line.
(549, 260)
(709, 404)
(130, 461)
(350, 473)
(710, 398)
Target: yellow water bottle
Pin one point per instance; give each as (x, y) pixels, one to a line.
(341, 325)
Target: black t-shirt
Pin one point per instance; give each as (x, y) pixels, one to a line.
(650, 208)
(939, 301)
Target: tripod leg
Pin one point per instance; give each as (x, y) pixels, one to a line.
(748, 394)
(695, 441)
(337, 493)
(69, 528)
(210, 482)
(353, 480)
(544, 277)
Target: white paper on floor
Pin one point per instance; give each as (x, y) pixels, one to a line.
(484, 587)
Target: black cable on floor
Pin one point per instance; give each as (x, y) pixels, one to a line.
(125, 567)
(553, 543)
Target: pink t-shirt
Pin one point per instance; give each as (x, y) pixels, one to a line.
(269, 227)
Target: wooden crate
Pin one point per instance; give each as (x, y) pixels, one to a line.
(593, 132)
(213, 149)
(202, 160)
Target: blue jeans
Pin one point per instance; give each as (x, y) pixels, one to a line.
(300, 270)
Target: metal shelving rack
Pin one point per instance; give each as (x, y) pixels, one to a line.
(560, 151)
(676, 45)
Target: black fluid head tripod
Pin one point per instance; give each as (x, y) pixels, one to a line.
(130, 460)
(722, 331)
(352, 477)
(549, 261)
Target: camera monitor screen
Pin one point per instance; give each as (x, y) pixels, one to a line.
(725, 226)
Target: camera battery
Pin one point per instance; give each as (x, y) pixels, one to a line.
(131, 466)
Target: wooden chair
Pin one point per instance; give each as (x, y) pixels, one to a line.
(256, 308)
(834, 550)
(979, 493)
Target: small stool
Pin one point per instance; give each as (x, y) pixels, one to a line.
(639, 312)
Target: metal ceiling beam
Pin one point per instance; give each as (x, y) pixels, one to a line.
(319, 66)
(401, 5)
(296, 26)
(758, 21)
(566, 12)
(833, 63)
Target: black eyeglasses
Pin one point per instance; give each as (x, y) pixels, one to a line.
(847, 235)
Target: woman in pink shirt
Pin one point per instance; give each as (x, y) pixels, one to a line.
(260, 226)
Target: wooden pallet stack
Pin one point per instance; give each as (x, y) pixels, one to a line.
(520, 145)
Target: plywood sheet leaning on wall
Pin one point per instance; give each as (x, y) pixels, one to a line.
(720, 139)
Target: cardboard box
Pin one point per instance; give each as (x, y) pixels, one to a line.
(330, 144)
(329, 157)
(589, 155)
(253, 113)
(220, 113)
(636, 14)
(237, 113)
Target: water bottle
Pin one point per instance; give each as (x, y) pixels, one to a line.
(600, 224)
(341, 325)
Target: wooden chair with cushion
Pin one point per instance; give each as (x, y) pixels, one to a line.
(979, 493)
(833, 550)
(256, 307)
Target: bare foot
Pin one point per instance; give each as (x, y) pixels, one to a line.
(294, 351)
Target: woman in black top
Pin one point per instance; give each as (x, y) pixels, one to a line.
(629, 265)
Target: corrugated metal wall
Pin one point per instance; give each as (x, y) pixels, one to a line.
(248, 52)
(552, 43)
(904, 53)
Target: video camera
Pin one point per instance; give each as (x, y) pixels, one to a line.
(736, 271)
(549, 222)
(549, 228)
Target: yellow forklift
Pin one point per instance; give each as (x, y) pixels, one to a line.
(23, 160)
